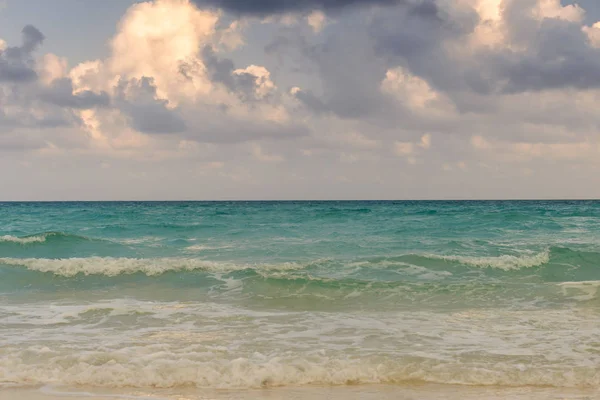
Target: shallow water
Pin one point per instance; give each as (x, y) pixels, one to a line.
(198, 297)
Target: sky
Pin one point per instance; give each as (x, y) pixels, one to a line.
(299, 99)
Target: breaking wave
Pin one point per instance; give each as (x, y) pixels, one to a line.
(39, 238)
(505, 262)
(113, 266)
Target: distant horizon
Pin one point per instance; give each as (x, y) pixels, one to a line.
(295, 200)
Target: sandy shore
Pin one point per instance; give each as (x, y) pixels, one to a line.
(363, 392)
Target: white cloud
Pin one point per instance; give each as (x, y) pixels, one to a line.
(316, 20)
(411, 148)
(554, 9)
(425, 141)
(491, 30)
(593, 33)
(232, 37)
(148, 44)
(404, 148)
(52, 67)
(409, 89)
(262, 79)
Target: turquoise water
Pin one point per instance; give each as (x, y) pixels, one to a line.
(255, 294)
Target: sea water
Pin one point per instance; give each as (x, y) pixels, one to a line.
(197, 297)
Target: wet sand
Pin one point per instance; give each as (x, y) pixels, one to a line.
(363, 392)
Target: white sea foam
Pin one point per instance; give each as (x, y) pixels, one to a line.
(588, 288)
(24, 240)
(162, 369)
(505, 262)
(140, 240)
(202, 247)
(111, 266)
(212, 345)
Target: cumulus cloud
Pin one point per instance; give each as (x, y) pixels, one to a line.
(35, 92)
(461, 88)
(149, 45)
(167, 76)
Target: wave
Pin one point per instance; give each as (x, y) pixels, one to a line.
(113, 266)
(40, 238)
(505, 262)
(23, 240)
(576, 265)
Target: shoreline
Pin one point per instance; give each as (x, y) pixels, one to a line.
(362, 392)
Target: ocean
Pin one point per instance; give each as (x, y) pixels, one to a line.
(357, 299)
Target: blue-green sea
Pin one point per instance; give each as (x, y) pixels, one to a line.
(246, 295)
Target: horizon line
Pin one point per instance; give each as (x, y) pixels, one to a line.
(294, 200)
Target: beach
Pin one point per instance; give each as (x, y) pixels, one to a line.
(369, 392)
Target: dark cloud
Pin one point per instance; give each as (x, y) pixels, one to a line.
(25, 119)
(61, 94)
(267, 7)
(408, 32)
(32, 38)
(554, 53)
(312, 102)
(348, 68)
(416, 37)
(559, 56)
(220, 70)
(32, 104)
(136, 98)
(16, 63)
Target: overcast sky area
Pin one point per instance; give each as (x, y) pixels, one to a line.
(299, 99)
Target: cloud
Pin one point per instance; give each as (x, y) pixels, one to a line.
(316, 20)
(148, 113)
(16, 63)
(489, 47)
(168, 77)
(149, 45)
(36, 93)
(526, 151)
(411, 148)
(262, 156)
(267, 7)
(250, 83)
(32, 38)
(60, 93)
(309, 100)
(546, 48)
(347, 69)
(593, 33)
(483, 89)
